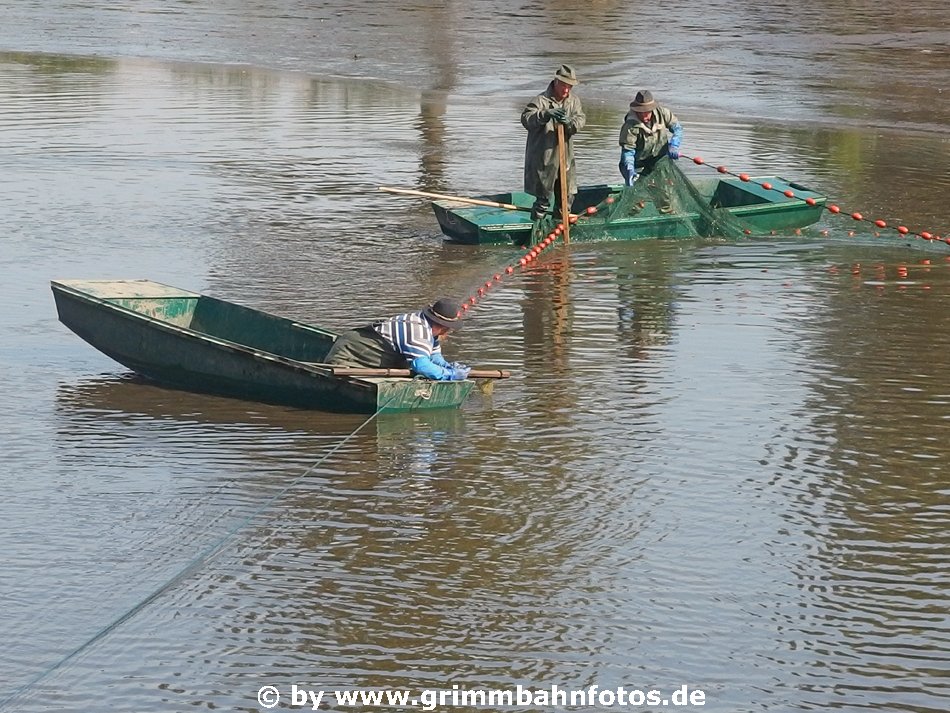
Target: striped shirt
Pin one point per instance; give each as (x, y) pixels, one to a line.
(411, 335)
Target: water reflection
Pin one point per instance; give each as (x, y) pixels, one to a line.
(645, 316)
(874, 574)
(547, 310)
(716, 463)
(132, 403)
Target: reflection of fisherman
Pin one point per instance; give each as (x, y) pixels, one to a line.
(540, 117)
(406, 341)
(649, 132)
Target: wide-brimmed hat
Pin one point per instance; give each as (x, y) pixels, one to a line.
(444, 312)
(567, 75)
(643, 101)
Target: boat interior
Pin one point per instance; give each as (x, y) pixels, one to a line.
(213, 317)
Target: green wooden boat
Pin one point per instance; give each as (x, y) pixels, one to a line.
(761, 210)
(199, 343)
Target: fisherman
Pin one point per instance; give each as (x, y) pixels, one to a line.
(540, 117)
(406, 341)
(649, 133)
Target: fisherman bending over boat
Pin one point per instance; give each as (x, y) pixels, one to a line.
(556, 106)
(649, 133)
(406, 341)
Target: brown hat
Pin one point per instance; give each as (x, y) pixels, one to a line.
(567, 75)
(643, 101)
(444, 312)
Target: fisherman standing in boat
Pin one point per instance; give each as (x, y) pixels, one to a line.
(555, 106)
(649, 133)
(406, 341)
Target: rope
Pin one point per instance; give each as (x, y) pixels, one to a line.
(831, 207)
(533, 252)
(529, 256)
(202, 558)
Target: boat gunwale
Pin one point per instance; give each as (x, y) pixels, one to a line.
(472, 216)
(192, 334)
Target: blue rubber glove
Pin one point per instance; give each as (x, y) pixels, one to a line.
(675, 140)
(439, 360)
(457, 373)
(628, 166)
(424, 366)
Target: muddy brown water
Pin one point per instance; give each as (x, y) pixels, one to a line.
(717, 464)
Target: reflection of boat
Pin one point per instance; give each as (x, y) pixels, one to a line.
(132, 399)
(204, 344)
(760, 209)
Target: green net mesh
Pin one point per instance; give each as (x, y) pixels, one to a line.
(664, 202)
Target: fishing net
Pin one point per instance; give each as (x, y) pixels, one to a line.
(867, 234)
(663, 203)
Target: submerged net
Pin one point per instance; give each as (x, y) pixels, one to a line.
(665, 203)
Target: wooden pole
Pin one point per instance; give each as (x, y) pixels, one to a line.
(366, 371)
(460, 199)
(562, 173)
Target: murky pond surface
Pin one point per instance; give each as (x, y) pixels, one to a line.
(718, 464)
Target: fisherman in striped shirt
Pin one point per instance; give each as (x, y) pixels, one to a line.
(406, 341)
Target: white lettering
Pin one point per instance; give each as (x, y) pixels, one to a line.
(298, 696)
(551, 696)
(679, 696)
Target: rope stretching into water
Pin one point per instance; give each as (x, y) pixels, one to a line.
(202, 558)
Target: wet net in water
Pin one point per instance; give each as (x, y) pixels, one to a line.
(665, 202)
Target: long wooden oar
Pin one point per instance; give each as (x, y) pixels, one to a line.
(460, 199)
(361, 371)
(562, 173)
